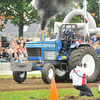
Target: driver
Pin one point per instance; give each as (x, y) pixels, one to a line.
(66, 37)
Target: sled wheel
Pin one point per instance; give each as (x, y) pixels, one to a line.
(19, 76)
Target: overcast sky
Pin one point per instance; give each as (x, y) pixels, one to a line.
(33, 2)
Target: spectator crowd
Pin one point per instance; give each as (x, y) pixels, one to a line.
(93, 41)
(16, 51)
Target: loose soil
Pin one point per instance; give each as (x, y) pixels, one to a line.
(36, 83)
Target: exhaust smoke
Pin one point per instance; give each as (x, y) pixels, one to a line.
(49, 8)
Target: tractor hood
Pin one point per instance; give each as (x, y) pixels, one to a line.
(38, 49)
(45, 44)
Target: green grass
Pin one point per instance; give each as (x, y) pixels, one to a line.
(10, 76)
(32, 95)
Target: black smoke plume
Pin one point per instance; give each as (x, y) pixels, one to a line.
(48, 8)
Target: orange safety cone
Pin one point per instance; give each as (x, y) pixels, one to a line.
(53, 94)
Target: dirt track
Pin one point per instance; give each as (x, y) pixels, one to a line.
(33, 83)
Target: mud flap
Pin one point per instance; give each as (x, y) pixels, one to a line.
(25, 66)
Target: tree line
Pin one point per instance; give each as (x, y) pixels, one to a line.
(22, 12)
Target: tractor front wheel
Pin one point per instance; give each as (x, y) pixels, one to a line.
(48, 72)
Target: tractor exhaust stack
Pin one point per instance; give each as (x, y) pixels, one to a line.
(42, 33)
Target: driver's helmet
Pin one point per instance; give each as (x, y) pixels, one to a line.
(66, 30)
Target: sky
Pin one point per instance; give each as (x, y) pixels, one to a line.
(33, 2)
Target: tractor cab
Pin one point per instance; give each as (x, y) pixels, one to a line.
(67, 36)
(72, 32)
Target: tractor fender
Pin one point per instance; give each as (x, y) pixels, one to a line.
(78, 45)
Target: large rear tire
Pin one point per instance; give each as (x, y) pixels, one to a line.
(48, 72)
(19, 76)
(88, 55)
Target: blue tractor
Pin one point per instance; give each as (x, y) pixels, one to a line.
(53, 61)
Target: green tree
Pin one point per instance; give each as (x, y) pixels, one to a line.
(60, 17)
(75, 19)
(93, 7)
(20, 13)
(51, 26)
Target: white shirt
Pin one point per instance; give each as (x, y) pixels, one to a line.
(21, 55)
(77, 80)
(12, 50)
(26, 54)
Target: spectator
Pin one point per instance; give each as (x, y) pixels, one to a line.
(24, 42)
(9, 55)
(94, 38)
(25, 53)
(15, 43)
(21, 38)
(16, 47)
(17, 40)
(82, 38)
(98, 47)
(12, 48)
(80, 41)
(94, 47)
(7, 49)
(15, 55)
(96, 44)
(4, 52)
(53, 36)
(32, 39)
(21, 54)
(21, 42)
(11, 38)
(87, 38)
(91, 42)
(12, 42)
(28, 39)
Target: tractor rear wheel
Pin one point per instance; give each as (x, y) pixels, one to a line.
(48, 72)
(88, 55)
(19, 76)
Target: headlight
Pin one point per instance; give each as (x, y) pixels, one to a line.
(40, 60)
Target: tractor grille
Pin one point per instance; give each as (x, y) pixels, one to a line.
(50, 55)
(34, 52)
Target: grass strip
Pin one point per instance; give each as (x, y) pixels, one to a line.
(42, 94)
